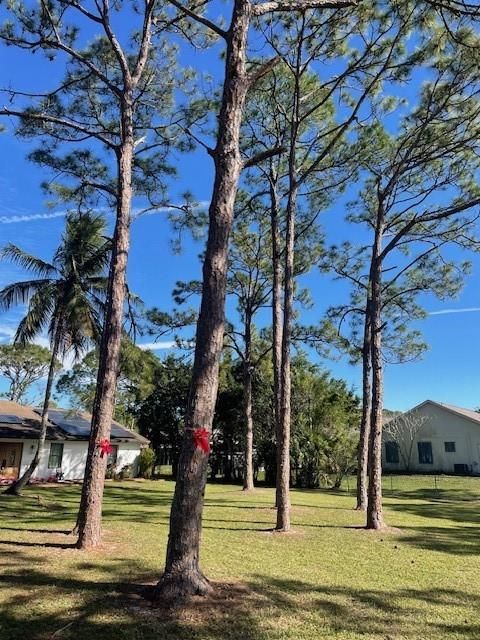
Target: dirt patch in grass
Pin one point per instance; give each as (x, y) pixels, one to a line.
(226, 599)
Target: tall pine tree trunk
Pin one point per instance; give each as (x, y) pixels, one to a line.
(277, 316)
(283, 436)
(375, 508)
(283, 441)
(90, 513)
(17, 487)
(247, 402)
(182, 576)
(247, 406)
(363, 445)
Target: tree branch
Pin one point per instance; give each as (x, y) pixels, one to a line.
(201, 19)
(263, 155)
(42, 117)
(119, 53)
(441, 214)
(262, 71)
(300, 5)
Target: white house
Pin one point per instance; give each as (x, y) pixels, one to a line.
(66, 448)
(433, 437)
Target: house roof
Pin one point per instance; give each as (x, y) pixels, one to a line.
(19, 421)
(474, 416)
(466, 413)
(76, 424)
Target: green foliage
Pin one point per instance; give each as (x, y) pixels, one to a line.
(79, 119)
(160, 414)
(326, 417)
(419, 189)
(146, 461)
(138, 375)
(324, 422)
(67, 293)
(22, 366)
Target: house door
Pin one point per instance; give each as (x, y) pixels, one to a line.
(10, 457)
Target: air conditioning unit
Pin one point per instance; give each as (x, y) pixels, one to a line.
(461, 469)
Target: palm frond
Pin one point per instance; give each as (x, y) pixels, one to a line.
(74, 294)
(98, 261)
(83, 320)
(21, 292)
(98, 284)
(82, 239)
(40, 309)
(27, 261)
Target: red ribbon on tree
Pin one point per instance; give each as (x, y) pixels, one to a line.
(201, 437)
(105, 447)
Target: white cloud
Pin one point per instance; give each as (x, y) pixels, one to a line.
(137, 212)
(156, 346)
(31, 217)
(447, 311)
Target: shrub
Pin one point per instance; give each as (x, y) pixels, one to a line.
(146, 461)
(125, 472)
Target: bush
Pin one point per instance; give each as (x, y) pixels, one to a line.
(125, 472)
(146, 461)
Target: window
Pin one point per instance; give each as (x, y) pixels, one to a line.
(112, 457)
(425, 454)
(56, 455)
(391, 452)
(450, 447)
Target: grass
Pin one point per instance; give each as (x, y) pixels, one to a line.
(330, 579)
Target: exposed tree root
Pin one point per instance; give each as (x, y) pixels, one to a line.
(178, 587)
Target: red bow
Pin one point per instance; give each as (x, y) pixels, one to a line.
(201, 437)
(105, 447)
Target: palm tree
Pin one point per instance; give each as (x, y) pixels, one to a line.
(65, 299)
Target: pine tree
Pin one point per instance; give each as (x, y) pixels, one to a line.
(104, 130)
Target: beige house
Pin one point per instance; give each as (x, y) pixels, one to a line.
(433, 437)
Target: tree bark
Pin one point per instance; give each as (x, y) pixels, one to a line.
(248, 484)
(90, 513)
(17, 487)
(374, 509)
(247, 399)
(277, 316)
(363, 445)
(283, 436)
(283, 443)
(182, 577)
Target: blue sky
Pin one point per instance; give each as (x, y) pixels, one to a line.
(449, 371)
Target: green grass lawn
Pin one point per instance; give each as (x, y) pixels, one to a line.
(329, 579)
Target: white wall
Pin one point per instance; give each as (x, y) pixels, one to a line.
(74, 458)
(128, 453)
(440, 426)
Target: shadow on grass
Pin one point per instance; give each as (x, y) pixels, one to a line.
(374, 613)
(50, 545)
(115, 608)
(35, 530)
(57, 593)
(457, 541)
(454, 510)
(432, 494)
